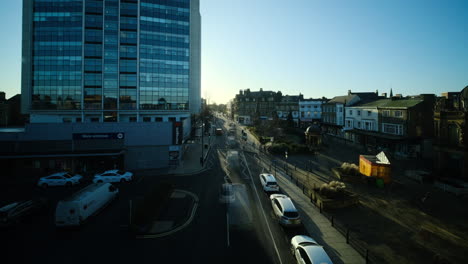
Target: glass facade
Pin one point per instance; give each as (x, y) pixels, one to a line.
(57, 55)
(164, 54)
(110, 56)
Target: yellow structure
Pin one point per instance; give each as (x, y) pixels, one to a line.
(376, 166)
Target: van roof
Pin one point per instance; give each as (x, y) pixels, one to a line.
(81, 194)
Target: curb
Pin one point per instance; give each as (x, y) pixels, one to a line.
(195, 202)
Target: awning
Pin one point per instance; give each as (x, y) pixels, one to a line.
(62, 155)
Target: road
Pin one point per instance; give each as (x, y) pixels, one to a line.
(211, 237)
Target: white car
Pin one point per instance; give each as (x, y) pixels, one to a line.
(269, 183)
(59, 179)
(307, 250)
(113, 176)
(285, 210)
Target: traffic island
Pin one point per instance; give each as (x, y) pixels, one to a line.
(176, 213)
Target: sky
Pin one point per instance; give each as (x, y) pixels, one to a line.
(317, 48)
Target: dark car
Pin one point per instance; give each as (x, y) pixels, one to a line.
(13, 213)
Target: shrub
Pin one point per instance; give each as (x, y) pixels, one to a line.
(333, 189)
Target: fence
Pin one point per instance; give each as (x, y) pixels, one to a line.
(303, 180)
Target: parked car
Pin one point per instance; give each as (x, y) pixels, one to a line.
(113, 176)
(307, 250)
(74, 210)
(14, 212)
(60, 179)
(269, 183)
(219, 132)
(285, 210)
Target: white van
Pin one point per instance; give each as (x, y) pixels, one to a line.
(74, 210)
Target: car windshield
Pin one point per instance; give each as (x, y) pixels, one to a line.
(67, 175)
(271, 183)
(121, 172)
(291, 214)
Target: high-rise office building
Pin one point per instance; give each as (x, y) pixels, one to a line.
(111, 60)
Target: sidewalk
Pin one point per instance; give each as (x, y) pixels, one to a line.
(190, 162)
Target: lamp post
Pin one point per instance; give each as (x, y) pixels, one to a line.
(202, 145)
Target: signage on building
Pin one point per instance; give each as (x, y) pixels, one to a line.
(177, 133)
(83, 136)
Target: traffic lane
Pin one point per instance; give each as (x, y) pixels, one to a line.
(249, 239)
(282, 235)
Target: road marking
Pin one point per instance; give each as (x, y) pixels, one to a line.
(263, 211)
(227, 229)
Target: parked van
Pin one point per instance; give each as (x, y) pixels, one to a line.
(74, 210)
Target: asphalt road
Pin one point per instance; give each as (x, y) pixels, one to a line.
(212, 236)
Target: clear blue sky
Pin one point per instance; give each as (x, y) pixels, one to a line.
(317, 48)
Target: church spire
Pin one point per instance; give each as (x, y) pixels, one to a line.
(391, 93)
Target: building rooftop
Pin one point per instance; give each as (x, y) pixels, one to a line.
(401, 103)
(342, 99)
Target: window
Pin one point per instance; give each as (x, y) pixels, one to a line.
(132, 119)
(304, 256)
(398, 114)
(351, 112)
(386, 113)
(368, 125)
(172, 119)
(359, 124)
(67, 120)
(315, 106)
(146, 119)
(94, 119)
(340, 110)
(158, 119)
(392, 129)
(358, 112)
(369, 113)
(278, 205)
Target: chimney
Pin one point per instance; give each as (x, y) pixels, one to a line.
(261, 89)
(241, 92)
(349, 92)
(377, 92)
(2, 96)
(384, 95)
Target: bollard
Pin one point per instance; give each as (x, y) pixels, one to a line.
(320, 207)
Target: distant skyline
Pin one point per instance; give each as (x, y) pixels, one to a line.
(317, 48)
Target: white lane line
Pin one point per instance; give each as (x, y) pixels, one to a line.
(263, 211)
(227, 229)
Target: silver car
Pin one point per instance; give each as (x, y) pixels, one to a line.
(285, 210)
(307, 250)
